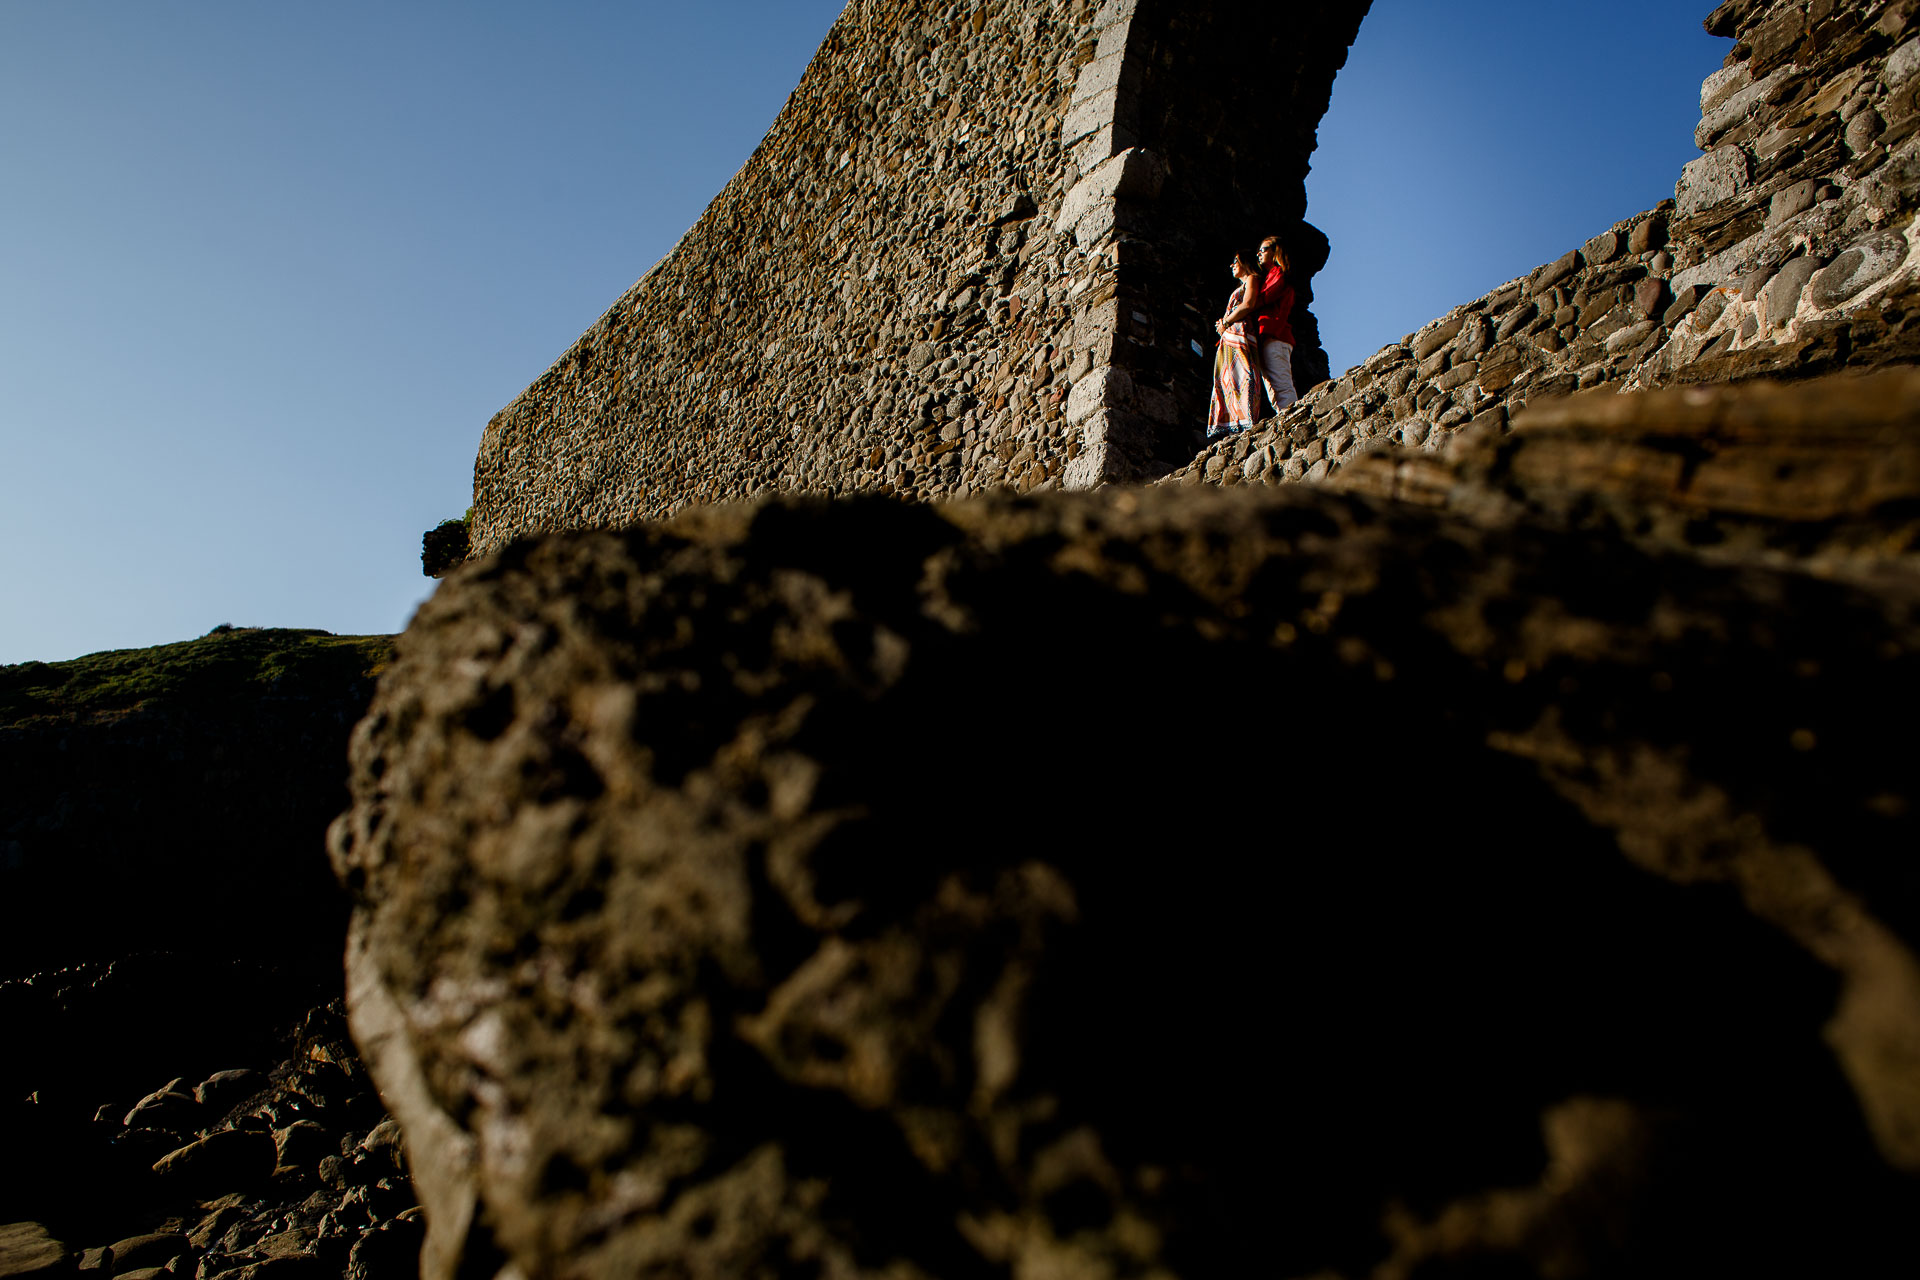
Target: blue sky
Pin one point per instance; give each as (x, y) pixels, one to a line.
(266, 270)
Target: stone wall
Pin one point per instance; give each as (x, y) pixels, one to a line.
(978, 248)
(1787, 251)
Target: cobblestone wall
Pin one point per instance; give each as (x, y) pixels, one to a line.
(1787, 251)
(974, 250)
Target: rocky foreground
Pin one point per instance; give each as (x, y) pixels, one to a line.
(1505, 872)
(271, 1156)
(178, 1093)
(1501, 867)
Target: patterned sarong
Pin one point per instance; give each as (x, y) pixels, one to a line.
(1236, 382)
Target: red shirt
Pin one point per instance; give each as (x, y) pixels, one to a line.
(1276, 307)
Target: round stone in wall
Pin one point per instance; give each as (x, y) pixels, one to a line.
(1861, 267)
(1603, 248)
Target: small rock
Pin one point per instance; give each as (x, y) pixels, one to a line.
(1603, 248)
(1862, 130)
(96, 1262)
(228, 1160)
(1713, 304)
(1754, 282)
(1649, 234)
(28, 1252)
(1517, 320)
(1556, 271)
(170, 1107)
(1902, 64)
(156, 1249)
(1791, 202)
(1431, 340)
(1650, 297)
(1476, 335)
(1631, 336)
(1781, 297)
(1683, 305)
(215, 1225)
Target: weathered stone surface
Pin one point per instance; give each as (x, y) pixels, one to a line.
(1825, 456)
(1791, 202)
(703, 923)
(1865, 264)
(28, 1252)
(1713, 179)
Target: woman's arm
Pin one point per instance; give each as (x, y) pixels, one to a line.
(1249, 303)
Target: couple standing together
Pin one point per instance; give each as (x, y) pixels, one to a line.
(1255, 353)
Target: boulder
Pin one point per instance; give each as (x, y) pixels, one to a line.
(1176, 880)
(153, 1249)
(226, 1160)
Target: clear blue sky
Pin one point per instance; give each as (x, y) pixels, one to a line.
(266, 270)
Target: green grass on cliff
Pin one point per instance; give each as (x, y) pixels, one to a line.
(225, 663)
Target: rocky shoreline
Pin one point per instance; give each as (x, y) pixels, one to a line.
(179, 1094)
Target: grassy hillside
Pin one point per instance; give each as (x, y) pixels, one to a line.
(226, 664)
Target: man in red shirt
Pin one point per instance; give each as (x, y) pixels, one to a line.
(1274, 314)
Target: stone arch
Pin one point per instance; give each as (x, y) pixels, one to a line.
(992, 219)
(1225, 102)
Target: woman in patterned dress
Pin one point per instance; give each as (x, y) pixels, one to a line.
(1236, 360)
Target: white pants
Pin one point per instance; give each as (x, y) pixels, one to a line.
(1276, 370)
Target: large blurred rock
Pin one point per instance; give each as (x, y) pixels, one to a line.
(1823, 474)
(1183, 882)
